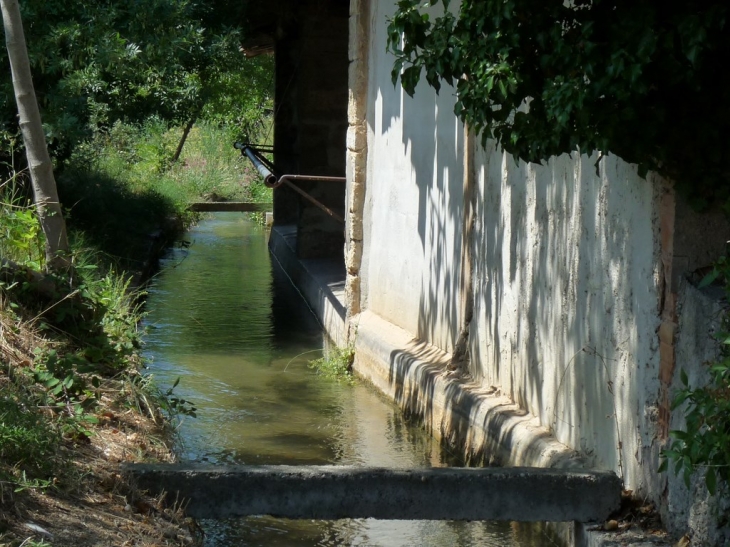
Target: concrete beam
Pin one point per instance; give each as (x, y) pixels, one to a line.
(216, 206)
(333, 492)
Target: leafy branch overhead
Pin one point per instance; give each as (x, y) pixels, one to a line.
(642, 80)
(95, 63)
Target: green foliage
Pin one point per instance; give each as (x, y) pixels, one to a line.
(336, 364)
(241, 96)
(704, 444)
(141, 392)
(121, 188)
(21, 237)
(96, 315)
(638, 79)
(95, 63)
(26, 438)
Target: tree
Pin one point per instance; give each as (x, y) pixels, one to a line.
(96, 63)
(641, 79)
(39, 161)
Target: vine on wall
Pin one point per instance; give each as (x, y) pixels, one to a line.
(637, 79)
(704, 445)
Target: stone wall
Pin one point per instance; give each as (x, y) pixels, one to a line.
(311, 120)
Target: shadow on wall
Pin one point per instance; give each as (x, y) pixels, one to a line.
(453, 406)
(563, 273)
(425, 193)
(565, 299)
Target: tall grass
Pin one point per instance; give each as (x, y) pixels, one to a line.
(123, 186)
(118, 190)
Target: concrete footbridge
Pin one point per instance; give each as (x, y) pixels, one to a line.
(229, 206)
(333, 492)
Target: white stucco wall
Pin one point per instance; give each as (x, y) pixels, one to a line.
(566, 267)
(566, 286)
(414, 201)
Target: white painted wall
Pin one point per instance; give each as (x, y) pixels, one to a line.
(567, 294)
(414, 204)
(566, 272)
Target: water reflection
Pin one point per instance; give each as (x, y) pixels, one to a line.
(240, 337)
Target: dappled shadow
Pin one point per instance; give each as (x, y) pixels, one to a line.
(563, 292)
(414, 372)
(480, 425)
(563, 274)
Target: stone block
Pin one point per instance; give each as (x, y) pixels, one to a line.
(353, 256)
(354, 227)
(356, 99)
(355, 170)
(357, 137)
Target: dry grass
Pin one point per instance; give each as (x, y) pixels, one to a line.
(88, 502)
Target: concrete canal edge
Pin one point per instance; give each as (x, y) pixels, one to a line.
(484, 423)
(330, 492)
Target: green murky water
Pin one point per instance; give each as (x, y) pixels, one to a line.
(231, 326)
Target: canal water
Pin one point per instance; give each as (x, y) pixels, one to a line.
(229, 324)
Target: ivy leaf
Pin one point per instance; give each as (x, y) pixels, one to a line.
(709, 278)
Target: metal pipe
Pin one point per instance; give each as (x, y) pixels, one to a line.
(271, 181)
(269, 177)
(287, 179)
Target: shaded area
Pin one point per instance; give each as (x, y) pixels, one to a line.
(327, 492)
(123, 224)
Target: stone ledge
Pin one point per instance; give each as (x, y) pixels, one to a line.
(486, 425)
(333, 492)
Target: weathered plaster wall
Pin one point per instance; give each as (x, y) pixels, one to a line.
(414, 201)
(566, 267)
(700, 314)
(570, 281)
(567, 284)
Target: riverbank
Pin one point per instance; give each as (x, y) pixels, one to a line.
(74, 403)
(60, 449)
(86, 502)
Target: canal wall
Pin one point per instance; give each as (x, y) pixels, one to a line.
(511, 305)
(320, 281)
(557, 286)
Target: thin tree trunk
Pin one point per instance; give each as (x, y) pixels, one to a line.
(39, 162)
(184, 138)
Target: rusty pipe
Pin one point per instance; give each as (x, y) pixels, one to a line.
(271, 181)
(287, 179)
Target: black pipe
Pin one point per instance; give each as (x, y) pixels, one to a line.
(270, 179)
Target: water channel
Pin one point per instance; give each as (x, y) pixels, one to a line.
(229, 324)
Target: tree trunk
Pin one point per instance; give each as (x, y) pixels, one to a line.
(184, 138)
(39, 162)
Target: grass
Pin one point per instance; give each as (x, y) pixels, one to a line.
(336, 364)
(122, 187)
(69, 363)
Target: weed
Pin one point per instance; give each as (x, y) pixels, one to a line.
(336, 364)
(21, 238)
(27, 440)
(703, 445)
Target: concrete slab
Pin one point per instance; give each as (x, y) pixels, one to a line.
(222, 206)
(333, 492)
